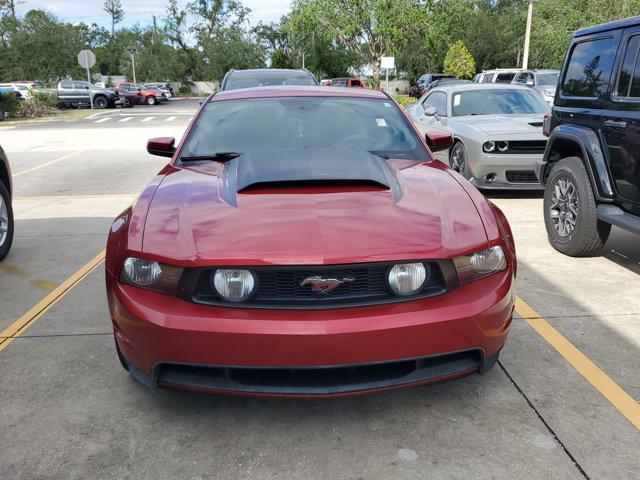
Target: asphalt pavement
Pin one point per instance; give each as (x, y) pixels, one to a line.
(562, 402)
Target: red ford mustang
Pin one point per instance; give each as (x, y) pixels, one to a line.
(303, 242)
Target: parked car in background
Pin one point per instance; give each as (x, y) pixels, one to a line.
(130, 98)
(499, 75)
(497, 131)
(266, 77)
(78, 93)
(350, 82)
(22, 90)
(392, 273)
(6, 210)
(591, 167)
(30, 83)
(543, 82)
(150, 96)
(167, 88)
(446, 81)
(420, 88)
(325, 82)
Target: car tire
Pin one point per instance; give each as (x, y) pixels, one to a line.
(127, 103)
(458, 160)
(570, 216)
(150, 100)
(100, 102)
(6, 222)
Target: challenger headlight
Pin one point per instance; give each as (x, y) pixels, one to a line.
(151, 275)
(489, 146)
(233, 284)
(407, 278)
(480, 264)
(503, 146)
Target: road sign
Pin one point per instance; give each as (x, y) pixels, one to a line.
(86, 59)
(388, 62)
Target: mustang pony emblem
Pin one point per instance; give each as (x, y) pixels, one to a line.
(324, 285)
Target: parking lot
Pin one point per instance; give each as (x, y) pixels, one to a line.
(561, 403)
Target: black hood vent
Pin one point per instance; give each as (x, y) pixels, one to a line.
(298, 167)
(535, 124)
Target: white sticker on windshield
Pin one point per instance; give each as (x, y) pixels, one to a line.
(456, 100)
(381, 122)
(387, 104)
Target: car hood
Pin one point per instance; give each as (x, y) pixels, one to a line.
(192, 221)
(504, 124)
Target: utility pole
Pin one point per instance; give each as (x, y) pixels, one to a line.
(527, 36)
(303, 60)
(133, 67)
(155, 30)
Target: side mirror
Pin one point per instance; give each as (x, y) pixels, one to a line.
(162, 146)
(439, 141)
(430, 111)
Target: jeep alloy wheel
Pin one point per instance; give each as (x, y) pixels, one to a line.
(564, 206)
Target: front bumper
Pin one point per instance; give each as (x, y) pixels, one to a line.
(505, 172)
(173, 343)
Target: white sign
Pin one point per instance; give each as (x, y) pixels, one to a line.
(388, 62)
(86, 59)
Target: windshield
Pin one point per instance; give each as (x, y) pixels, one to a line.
(497, 102)
(268, 80)
(548, 78)
(304, 123)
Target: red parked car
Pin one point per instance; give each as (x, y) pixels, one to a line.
(149, 96)
(303, 241)
(350, 82)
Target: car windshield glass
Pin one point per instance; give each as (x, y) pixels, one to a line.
(304, 123)
(235, 82)
(548, 78)
(497, 102)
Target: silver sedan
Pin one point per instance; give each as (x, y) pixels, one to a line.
(497, 131)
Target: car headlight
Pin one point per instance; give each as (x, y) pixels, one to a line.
(489, 146)
(407, 278)
(232, 284)
(151, 275)
(480, 264)
(503, 146)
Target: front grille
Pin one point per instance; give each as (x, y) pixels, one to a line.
(521, 176)
(527, 146)
(318, 380)
(281, 287)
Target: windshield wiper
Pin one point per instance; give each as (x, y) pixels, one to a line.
(218, 156)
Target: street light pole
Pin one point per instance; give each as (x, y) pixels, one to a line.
(133, 67)
(527, 36)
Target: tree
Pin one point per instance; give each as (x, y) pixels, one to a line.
(114, 8)
(8, 7)
(368, 28)
(459, 61)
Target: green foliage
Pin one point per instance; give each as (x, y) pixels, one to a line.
(8, 103)
(459, 61)
(403, 100)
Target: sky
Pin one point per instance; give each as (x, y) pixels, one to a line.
(140, 11)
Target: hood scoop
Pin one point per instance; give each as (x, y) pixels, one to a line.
(301, 167)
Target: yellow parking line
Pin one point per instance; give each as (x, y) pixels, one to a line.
(29, 318)
(46, 164)
(620, 399)
(77, 197)
(18, 272)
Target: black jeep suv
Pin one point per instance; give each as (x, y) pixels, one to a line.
(591, 166)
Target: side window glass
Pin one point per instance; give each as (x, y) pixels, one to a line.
(438, 100)
(629, 80)
(589, 68)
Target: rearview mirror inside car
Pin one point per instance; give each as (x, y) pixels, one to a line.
(162, 146)
(439, 141)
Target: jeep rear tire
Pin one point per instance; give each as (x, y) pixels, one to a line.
(570, 210)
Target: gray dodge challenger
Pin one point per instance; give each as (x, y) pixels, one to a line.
(497, 131)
